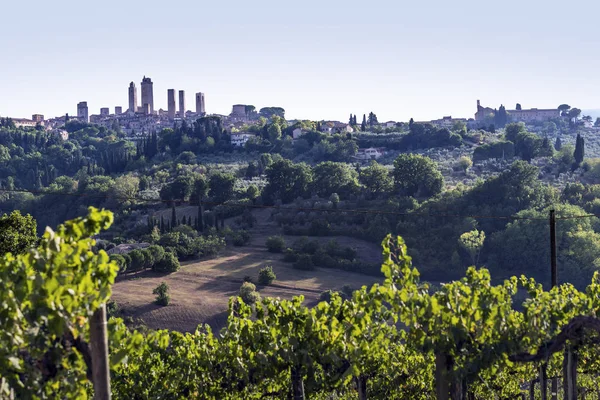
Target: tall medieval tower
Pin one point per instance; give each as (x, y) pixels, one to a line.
(147, 95)
(171, 108)
(133, 103)
(181, 104)
(200, 106)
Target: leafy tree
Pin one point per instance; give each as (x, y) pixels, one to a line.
(513, 130)
(221, 186)
(287, 181)
(376, 179)
(417, 175)
(268, 112)
(180, 189)
(168, 263)
(472, 242)
(274, 132)
(162, 294)
(464, 163)
(126, 187)
(573, 114)
(372, 120)
(138, 260)
(18, 233)
(518, 107)
(564, 109)
(331, 177)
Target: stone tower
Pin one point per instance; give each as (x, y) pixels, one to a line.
(147, 94)
(82, 111)
(133, 103)
(171, 103)
(200, 106)
(182, 104)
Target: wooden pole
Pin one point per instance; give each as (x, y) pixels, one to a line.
(99, 350)
(543, 384)
(553, 269)
(554, 392)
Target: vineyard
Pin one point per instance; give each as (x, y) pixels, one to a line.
(400, 339)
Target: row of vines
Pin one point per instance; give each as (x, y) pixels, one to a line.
(468, 339)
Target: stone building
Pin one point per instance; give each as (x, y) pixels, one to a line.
(147, 95)
(82, 111)
(37, 118)
(118, 110)
(133, 103)
(171, 107)
(200, 105)
(181, 104)
(529, 115)
(105, 111)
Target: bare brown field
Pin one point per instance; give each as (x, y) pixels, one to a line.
(200, 291)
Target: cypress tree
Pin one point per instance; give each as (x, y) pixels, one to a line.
(558, 144)
(579, 153)
(200, 217)
(173, 216)
(363, 126)
(189, 221)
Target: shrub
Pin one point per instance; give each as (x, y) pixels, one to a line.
(248, 293)
(240, 238)
(138, 260)
(275, 244)
(266, 276)
(319, 227)
(326, 295)
(127, 260)
(162, 294)
(158, 252)
(290, 255)
(247, 278)
(168, 263)
(148, 258)
(304, 263)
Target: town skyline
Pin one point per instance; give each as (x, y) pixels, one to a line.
(157, 104)
(318, 60)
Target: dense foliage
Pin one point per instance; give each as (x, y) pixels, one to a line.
(464, 337)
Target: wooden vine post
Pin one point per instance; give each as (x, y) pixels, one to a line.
(543, 384)
(297, 384)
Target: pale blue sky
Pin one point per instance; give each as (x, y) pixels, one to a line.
(318, 59)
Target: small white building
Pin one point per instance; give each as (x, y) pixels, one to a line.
(297, 133)
(240, 139)
(370, 153)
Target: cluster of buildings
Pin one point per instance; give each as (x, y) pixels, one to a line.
(142, 117)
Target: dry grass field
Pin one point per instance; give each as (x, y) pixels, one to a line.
(200, 290)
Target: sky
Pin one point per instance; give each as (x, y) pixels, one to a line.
(318, 59)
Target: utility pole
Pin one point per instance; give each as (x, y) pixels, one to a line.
(553, 283)
(99, 350)
(553, 270)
